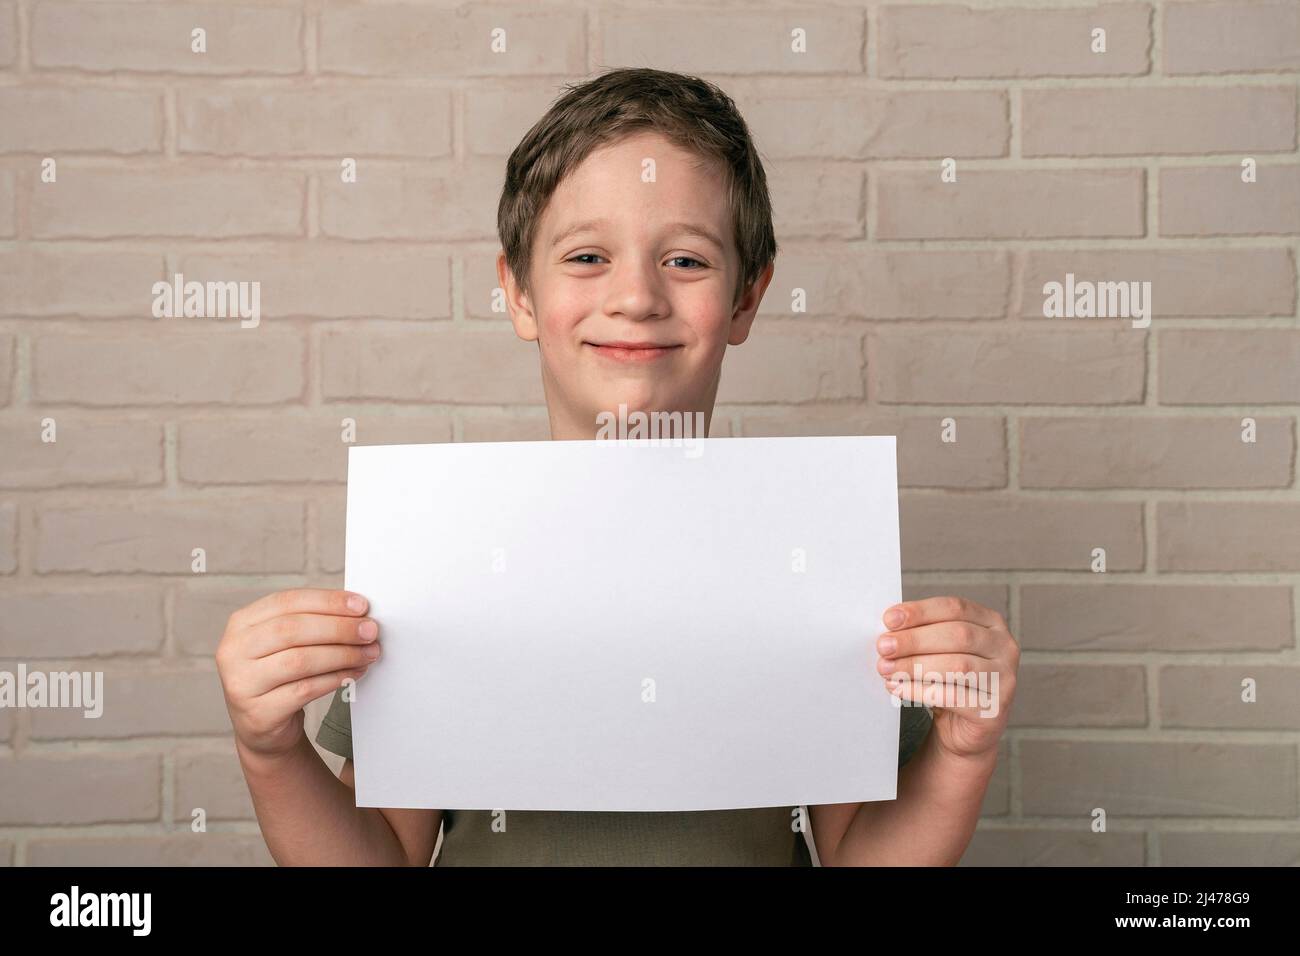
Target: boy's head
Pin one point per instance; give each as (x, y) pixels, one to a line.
(637, 243)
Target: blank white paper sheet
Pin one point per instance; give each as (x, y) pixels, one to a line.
(625, 625)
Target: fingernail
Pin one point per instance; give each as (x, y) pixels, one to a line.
(894, 617)
(887, 646)
(356, 603)
(368, 630)
(371, 652)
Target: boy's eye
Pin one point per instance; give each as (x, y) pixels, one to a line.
(592, 255)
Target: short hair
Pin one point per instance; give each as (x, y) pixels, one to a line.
(690, 112)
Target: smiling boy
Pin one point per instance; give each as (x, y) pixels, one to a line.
(637, 245)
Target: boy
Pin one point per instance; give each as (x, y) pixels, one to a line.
(627, 175)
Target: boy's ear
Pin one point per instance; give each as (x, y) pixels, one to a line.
(743, 317)
(517, 304)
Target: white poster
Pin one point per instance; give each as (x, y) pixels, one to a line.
(624, 625)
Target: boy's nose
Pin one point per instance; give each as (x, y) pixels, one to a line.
(637, 293)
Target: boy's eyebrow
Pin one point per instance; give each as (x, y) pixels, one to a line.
(677, 228)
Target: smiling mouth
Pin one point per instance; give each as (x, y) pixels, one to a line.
(632, 351)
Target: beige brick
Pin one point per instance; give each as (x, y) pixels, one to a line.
(6, 728)
(953, 41)
(406, 40)
(817, 200)
(718, 41)
(1238, 37)
(155, 37)
(720, 424)
(334, 122)
(100, 203)
(57, 120)
(391, 203)
(478, 366)
(993, 596)
(82, 623)
(1132, 121)
(337, 281)
(200, 614)
(141, 703)
(1213, 201)
(997, 797)
(237, 536)
(987, 532)
(7, 194)
(236, 366)
(1194, 283)
(213, 782)
(85, 453)
(497, 118)
(186, 849)
(1155, 617)
(71, 789)
(1011, 204)
(8, 34)
(331, 522)
(1227, 536)
(1232, 848)
(508, 428)
(1154, 453)
(1229, 366)
(977, 459)
(1205, 696)
(1080, 695)
(52, 281)
(8, 538)
(6, 367)
(1140, 779)
(871, 124)
(291, 447)
(1054, 368)
(792, 366)
(1070, 847)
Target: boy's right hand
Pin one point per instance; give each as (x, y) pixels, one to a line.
(285, 650)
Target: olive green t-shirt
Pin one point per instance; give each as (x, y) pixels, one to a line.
(764, 836)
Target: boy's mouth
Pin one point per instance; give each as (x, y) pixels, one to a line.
(632, 351)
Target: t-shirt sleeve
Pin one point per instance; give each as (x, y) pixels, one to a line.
(913, 726)
(335, 733)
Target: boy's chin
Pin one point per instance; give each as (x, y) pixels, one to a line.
(638, 397)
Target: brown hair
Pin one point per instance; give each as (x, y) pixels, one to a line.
(690, 112)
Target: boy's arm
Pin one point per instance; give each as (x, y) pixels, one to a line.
(929, 824)
(309, 817)
(276, 655)
(941, 789)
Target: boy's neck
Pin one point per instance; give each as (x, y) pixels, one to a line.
(565, 426)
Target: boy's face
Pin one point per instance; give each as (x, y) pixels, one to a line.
(632, 286)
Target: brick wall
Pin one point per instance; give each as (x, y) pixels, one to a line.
(924, 303)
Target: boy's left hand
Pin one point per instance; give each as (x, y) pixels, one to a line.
(945, 637)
